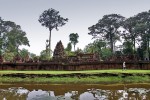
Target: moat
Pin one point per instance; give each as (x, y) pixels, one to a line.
(75, 91)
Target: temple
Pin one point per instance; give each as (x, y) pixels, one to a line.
(79, 61)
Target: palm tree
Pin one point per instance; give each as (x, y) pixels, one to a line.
(74, 39)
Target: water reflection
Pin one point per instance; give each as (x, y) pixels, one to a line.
(75, 92)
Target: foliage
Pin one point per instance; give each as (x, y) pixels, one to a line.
(52, 20)
(138, 31)
(130, 33)
(73, 37)
(44, 55)
(90, 48)
(15, 39)
(2, 29)
(24, 53)
(69, 47)
(98, 46)
(33, 55)
(11, 36)
(70, 53)
(127, 48)
(135, 34)
(143, 28)
(107, 28)
(106, 52)
(9, 56)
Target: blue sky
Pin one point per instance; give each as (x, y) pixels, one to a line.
(81, 14)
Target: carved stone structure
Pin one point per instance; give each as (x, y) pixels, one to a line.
(17, 58)
(59, 52)
(123, 58)
(89, 57)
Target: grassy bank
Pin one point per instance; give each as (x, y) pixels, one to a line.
(70, 72)
(88, 77)
(86, 80)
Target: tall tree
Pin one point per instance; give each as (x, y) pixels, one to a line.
(107, 29)
(52, 20)
(2, 30)
(143, 29)
(14, 37)
(130, 33)
(73, 37)
(11, 36)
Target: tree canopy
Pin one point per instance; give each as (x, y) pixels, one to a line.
(52, 20)
(107, 28)
(73, 37)
(11, 36)
(135, 37)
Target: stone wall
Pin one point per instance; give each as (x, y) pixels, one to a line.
(73, 66)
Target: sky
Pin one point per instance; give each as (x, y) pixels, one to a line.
(81, 14)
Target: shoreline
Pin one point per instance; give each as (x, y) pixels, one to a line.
(76, 77)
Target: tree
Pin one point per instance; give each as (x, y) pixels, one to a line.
(144, 20)
(33, 56)
(24, 53)
(106, 53)
(90, 48)
(9, 56)
(2, 30)
(68, 49)
(107, 28)
(15, 38)
(44, 56)
(127, 47)
(73, 37)
(11, 36)
(130, 33)
(97, 46)
(52, 20)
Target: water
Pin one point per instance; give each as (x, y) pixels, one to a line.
(75, 92)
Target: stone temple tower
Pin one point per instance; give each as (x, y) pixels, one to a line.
(59, 51)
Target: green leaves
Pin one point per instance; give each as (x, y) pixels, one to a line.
(107, 28)
(73, 37)
(11, 36)
(51, 19)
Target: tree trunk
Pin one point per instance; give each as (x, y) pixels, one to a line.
(111, 44)
(50, 42)
(0, 49)
(74, 47)
(148, 47)
(134, 46)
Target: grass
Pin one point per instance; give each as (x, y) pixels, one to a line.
(92, 79)
(71, 72)
(76, 80)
